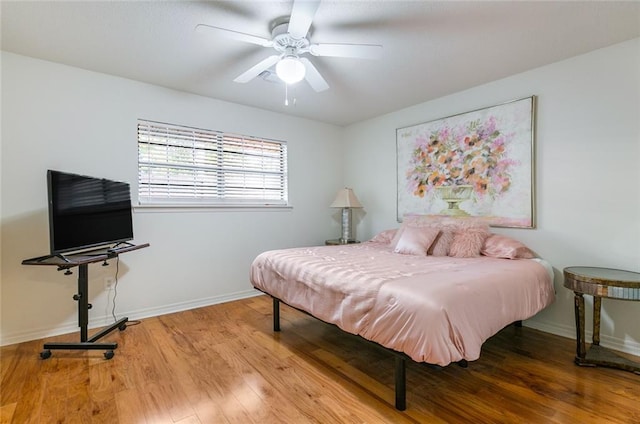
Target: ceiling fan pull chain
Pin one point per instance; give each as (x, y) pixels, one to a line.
(286, 94)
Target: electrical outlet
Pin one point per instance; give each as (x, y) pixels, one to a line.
(109, 283)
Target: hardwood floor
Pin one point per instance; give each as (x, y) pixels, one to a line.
(223, 364)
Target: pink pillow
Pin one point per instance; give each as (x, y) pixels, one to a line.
(385, 236)
(499, 246)
(467, 242)
(397, 235)
(442, 244)
(416, 221)
(415, 241)
(450, 227)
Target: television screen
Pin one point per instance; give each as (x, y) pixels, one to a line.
(87, 212)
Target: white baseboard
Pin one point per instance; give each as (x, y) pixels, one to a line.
(184, 306)
(628, 346)
(101, 321)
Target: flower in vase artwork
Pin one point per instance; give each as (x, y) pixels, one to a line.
(485, 156)
(472, 153)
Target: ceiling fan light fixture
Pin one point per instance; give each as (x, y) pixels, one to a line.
(290, 70)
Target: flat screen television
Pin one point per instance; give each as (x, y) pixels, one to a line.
(87, 212)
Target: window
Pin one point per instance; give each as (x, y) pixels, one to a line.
(182, 165)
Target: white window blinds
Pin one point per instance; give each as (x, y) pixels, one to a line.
(183, 165)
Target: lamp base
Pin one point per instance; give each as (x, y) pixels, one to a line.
(346, 225)
(339, 242)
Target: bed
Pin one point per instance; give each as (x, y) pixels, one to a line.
(433, 309)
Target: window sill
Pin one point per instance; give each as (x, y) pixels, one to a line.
(210, 208)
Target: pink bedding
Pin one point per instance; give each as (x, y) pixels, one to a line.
(435, 309)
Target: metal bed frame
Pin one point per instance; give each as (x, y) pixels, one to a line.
(400, 376)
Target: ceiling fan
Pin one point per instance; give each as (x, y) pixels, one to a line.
(290, 40)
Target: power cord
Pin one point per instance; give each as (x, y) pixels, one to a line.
(115, 295)
(115, 289)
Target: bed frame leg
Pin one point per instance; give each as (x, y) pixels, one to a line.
(276, 314)
(518, 323)
(401, 384)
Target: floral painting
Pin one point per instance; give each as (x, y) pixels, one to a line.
(477, 163)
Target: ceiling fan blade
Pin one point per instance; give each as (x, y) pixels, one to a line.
(254, 71)
(234, 35)
(360, 51)
(301, 17)
(313, 77)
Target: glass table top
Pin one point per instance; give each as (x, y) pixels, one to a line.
(604, 273)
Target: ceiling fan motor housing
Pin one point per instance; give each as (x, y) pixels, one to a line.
(284, 43)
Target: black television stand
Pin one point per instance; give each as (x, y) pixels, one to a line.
(61, 257)
(82, 261)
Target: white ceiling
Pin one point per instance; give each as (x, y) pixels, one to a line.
(431, 48)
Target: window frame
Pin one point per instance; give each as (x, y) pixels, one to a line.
(214, 169)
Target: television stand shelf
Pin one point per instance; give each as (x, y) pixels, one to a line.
(82, 261)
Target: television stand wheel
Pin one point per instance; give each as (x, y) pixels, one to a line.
(122, 326)
(45, 354)
(108, 354)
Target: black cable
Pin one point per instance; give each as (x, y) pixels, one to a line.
(115, 294)
(115, 290)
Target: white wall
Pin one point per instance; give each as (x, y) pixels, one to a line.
(588, 176)
(588, 186)
(59, 117)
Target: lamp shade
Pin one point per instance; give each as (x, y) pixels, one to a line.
(346, 199)
(290, 70)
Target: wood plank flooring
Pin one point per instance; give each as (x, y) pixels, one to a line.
(224, 364)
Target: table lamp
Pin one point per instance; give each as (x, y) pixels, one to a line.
(346, 200)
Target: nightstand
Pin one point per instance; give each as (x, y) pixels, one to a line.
(600, 283)
(337, 242)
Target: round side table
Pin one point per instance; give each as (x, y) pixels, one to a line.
(600, 283)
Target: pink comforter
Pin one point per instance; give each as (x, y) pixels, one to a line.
(435, 309)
